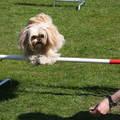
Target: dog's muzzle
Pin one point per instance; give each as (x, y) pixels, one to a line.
(38, 43)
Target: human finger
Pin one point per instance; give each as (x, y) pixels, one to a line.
(92, 108)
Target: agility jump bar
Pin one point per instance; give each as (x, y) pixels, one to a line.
(65, 59)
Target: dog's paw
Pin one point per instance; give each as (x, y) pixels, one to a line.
(34, 60)
(42, 60)
(46, 60)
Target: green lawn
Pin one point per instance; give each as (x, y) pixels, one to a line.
(64, 90)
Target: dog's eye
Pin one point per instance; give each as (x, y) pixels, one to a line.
(34, 37)
(41, 36)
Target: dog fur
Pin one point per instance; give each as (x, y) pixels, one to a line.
(40, 40)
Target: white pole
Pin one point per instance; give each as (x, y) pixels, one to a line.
(65, 59)
(85, 60)
(16, 57)
(61, 59)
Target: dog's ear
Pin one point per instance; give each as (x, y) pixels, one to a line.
(23, 39)
(33, 20)
(41, 18)
(55, 39)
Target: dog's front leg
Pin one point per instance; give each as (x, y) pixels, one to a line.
(42, 59)
(33, 59)
(45, 59)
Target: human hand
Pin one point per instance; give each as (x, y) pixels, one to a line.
(101, 108)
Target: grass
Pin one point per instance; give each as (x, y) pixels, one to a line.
(63, 91)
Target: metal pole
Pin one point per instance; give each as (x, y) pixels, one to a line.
(53, 3)
(16, 57)
(6, 80)
(83, 2)
(83, 60)
(65, 59)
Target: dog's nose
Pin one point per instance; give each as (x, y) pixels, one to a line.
(39, 39)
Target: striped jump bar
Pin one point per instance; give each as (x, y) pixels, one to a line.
(89, 60)
(65, 59)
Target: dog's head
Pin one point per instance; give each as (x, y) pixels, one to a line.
(36, 37)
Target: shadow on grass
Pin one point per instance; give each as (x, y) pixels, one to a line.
(42, 5)
(99, 91)
(7, 90)
(79, 116)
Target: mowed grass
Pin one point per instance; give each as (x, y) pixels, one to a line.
(64, 90)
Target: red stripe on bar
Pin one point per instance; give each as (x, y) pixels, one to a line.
(114, 61)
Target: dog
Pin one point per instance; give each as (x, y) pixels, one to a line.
(40, 40)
